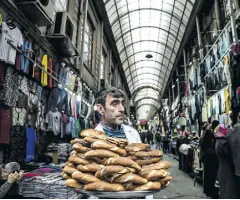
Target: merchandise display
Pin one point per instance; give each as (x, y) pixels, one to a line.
(105, 164)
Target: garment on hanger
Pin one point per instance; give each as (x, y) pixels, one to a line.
(25, 62)
(10, 88)
(19, 116)
(5, 124)
(50, 71)
(7, 53)
(30, 145)
(56, 70)
(44, 76)
(74, 107)
(226, 97)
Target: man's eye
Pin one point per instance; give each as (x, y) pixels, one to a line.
(114, 103)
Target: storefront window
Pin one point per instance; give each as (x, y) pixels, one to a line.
(88, 44)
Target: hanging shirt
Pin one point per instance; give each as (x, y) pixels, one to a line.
(44, 77)
(50, 70)
(7, 53)
(73, 79)
(226, 100)
(19, 116)
(204, 113)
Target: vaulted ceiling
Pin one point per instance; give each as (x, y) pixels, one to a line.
(148, 34)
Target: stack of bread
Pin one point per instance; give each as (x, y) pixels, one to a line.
(100, 163)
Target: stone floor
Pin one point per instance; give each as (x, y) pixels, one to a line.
(181, 186)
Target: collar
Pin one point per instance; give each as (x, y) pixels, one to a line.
(120, 127)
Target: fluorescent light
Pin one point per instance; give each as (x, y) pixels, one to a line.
(173, 86)
(177, 80)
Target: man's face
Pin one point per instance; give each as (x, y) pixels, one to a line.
(113, 112)
(4, 174)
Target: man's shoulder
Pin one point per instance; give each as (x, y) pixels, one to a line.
(129, 128)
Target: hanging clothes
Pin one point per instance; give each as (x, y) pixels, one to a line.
(25, 62)
(5, 124)
(44, 76)
(30, 145)
(50, 71)
(226, 100)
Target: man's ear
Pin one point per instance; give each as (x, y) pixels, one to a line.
(100, 109)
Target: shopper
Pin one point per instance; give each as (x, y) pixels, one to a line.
(227, 183)
(110, 104)
(165, 144)
(158, 140)
(10, 175)
(210, 162)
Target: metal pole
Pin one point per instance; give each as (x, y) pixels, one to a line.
(169, 98)
(83, 36)
(101, 44)
(199, 38)
(173, 93)
(178, 84)
(233, 23)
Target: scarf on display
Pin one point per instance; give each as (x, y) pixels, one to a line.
(221, 131)
(113, 133)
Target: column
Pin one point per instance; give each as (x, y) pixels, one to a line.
(199, 39)
(233, 23)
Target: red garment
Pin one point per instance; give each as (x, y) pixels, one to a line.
(50, 70)
(28, 175)
(5, 125)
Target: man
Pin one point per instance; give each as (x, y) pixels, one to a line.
(158, 140)
(10, 175)
(110, 105)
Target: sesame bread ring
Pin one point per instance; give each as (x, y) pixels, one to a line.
(137, 147)
(84, 178)
(152, 175)
(108, 146)
(69, 170)
(73, 184)
(148, 161)
(148, 186)
(100, 153)
(113, 169)
(80, 148)
(104, 186)
(151, 153)
(77, 160)
(93, 167)
(93, 133)
(123, 161)
(130, 178)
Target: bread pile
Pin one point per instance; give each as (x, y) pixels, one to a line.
(101, 163)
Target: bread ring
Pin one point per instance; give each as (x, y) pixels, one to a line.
(131, 153)
(160, 165)
(99, 161)
(129, 186)
(130, 178)
(104, 186)
(73, 184)
(65, 176)
(113, 169)
(165, 184)
(148, 161)
(69, 170)
(165, 179)
(80, 148)
(89, 167)
(78, 160)
(152, 175)
(91, 140)
(78, 140)
(149, 186)
(93, 133)
(133, 157)
(69, 164)
(123, 161)
(152, 153)
(84, 178)
(100, 153)
(137, 147)
(73, 153)
(108, 146)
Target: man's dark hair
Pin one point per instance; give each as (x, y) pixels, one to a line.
(102, 94)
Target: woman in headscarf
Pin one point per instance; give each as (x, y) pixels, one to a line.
(10, 175)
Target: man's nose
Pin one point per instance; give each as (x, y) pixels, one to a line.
(121, 108)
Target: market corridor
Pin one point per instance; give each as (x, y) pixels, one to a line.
(181, 186)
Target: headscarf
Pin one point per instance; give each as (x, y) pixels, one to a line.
(221, 131)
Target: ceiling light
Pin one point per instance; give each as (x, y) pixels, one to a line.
(177, 80)
(173, 86)
(149, 56)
